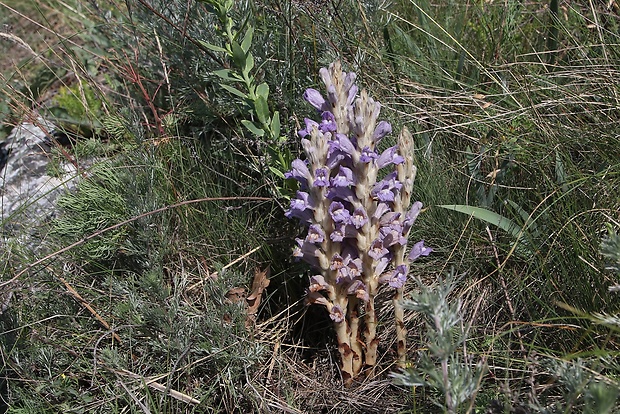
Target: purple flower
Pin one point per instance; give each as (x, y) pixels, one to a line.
(386, 189)
(411, 216)
(315, 99)
(368, 155)
(342, 231)
(336, 314)
(359, 218)
(382, 208)
(334, 158)
(351, 271)
(390, 156)
(328, 124)
(340, 193)
(337, 262)
(377, 250)
(310, 253)
(350, 86)
(317, 283)
(383, 264)
(339, 213)
(418, 250)
(351, 94)
(383, 128)
(315, 234)
(391, 229)
(299, 172)
(358, 288)
(301, 207)
(340, 148)
(346, 145)
(331, 95)
(344, 178)
(396, 278)
(310, 125)
(316, 297)
(321, 177)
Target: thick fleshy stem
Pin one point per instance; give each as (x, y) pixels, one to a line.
(354, 324)
(406, 174)
(347, 355)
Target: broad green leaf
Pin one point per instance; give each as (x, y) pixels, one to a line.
(263, 90)
(239, 56)
(275, 124)
(228, 75)
(234, 91)
(488, 216)
(213, 47)
(247, 39)
(277, 172)
(262, 110)
(249, 64)
(253, 128)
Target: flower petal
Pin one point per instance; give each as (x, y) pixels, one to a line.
(418, 250)
(315, 99)
(383, 128)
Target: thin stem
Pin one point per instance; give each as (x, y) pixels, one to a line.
(401, 330)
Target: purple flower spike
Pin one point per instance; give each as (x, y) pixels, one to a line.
(368, 155)
(390, 156)
(321, 178)
(336, 314)
(377, 250)
(359, 218)
(383, 128)
(344, 178)
(315, 234)
(338, 213)
(315, 99)
(397, 278)
(418, 250)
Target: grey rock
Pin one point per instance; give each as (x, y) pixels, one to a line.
(27, 192)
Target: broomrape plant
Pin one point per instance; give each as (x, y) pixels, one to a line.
(358, 224)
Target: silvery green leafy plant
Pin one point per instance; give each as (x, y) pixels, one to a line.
(440, 365)
(355, 202)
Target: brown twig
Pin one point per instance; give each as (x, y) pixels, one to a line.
(84, 303)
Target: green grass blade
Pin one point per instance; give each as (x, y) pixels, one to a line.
(488, 216)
